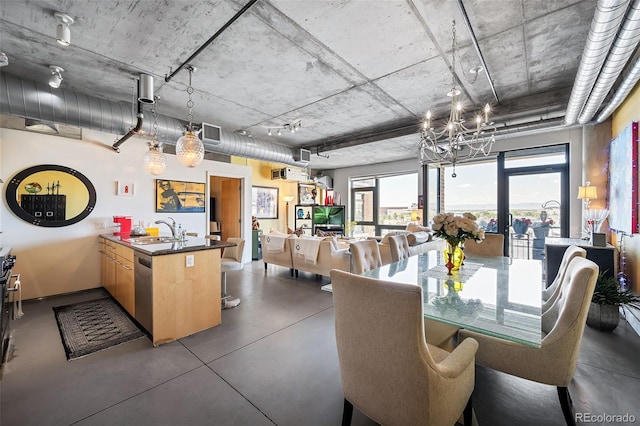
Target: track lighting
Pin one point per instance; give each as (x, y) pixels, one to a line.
(63, 34)
(56, 76)
(292, 127)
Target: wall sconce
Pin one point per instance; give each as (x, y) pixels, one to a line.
(63, 34)
(587, 193)
(56, 76)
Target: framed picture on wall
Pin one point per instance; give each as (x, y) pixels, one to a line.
(307, 193)
(173, 196)
(264, 202)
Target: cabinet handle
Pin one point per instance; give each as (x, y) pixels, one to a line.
(126, 267)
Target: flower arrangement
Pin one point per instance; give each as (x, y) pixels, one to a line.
(523, 220)
(457, 229)
(543, 224)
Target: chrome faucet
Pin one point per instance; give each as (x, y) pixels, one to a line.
(171, 226)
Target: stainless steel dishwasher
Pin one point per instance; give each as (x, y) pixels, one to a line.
(142, 269)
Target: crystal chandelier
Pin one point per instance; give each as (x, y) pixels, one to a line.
(189, 148)
(155, 161)
(456, 141)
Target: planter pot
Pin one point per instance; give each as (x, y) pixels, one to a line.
(541, 233)
(603, 317)
(520, 228)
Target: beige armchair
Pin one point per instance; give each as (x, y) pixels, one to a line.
(550, 294)
(492, 245)
(388, 370)
(399, 247)
(281, 258)
(329, 257)
(554, 363)
(365, 256)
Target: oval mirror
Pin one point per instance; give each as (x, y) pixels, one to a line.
(51, 195)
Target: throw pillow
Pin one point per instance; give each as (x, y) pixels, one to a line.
(416, 238)
(385, 239)
(297, 232)
(414, 227)
(321, 233)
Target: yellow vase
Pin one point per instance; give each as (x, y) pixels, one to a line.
(453, 256)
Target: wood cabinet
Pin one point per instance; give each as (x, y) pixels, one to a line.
(125, 284)
(186, 300)
(117, 273)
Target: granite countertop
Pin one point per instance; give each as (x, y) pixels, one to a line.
(190, 244)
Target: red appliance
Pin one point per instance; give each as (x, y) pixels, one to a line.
(125, 225)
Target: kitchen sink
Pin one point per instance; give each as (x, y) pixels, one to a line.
(150, 240)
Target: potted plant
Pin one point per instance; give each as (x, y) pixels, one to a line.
(604, 311)
(520, 226)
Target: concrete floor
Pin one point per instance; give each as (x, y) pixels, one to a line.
(272, 361)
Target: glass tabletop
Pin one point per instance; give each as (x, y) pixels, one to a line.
(496, 296)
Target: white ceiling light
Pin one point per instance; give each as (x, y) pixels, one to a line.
(63, 34)
(189, 148)
(292, 127)
(456, 141)
(56, 76)
(155, 162)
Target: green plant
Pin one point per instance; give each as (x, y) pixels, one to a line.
(608, 292)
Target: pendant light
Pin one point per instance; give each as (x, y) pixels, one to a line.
(155, 161)
(189, 148)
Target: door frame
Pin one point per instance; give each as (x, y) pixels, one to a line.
(503, 192)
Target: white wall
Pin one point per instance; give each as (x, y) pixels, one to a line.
(571, 136)
(65, 259)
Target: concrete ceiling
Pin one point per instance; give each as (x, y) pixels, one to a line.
(351, 71)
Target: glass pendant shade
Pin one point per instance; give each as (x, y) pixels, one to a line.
(155, 161)
(189, 149)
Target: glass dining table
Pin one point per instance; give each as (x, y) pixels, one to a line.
(496, 296)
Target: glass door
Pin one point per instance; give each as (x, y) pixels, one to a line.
(535, 184)
(534, 213)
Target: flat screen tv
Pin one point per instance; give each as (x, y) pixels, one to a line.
(623, 181)
(328, 215)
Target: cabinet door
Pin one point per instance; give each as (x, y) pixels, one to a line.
(125, 285)
(109, 267)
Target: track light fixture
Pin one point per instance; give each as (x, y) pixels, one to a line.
(56, 76)
(63, 34)
(292, 127)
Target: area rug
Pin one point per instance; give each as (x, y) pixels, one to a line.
(92, 326)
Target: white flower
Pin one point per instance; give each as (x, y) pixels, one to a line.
(451, 229)
(436, 225)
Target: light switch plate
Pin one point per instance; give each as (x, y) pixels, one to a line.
(190, 261)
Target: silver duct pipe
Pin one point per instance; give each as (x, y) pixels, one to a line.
(604, 27)
(40, 102)
(621, 94)
(622, 49)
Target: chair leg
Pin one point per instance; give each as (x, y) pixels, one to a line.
(565, 403)
(296, 273)
(265, 266)
(347, 412)
(467, 414)
(291, 271)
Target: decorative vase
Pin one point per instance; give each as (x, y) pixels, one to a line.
(454, 256)
(541, 233)
(603, 317)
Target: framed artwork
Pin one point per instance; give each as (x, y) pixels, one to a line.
(264, 202)
(174, 196)
(307, 193)
(420, 201)
(623, 181)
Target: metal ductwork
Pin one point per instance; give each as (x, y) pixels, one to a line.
(604, 27)
(39, 101)
(620, 53)
(621, 94)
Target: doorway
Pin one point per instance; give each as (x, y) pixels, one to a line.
(226, 210)
(535, 202)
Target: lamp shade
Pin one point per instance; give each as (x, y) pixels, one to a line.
(189, 149)
(155, 161)
(587, 193)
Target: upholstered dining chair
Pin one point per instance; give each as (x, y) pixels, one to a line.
(231, 261)
(554, 363)
(399, 247)
(550, 294)
(365, 256)
(388, 371)
(492, 245)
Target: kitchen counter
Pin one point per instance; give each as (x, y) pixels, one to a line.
(158, 249)
(172, 289)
